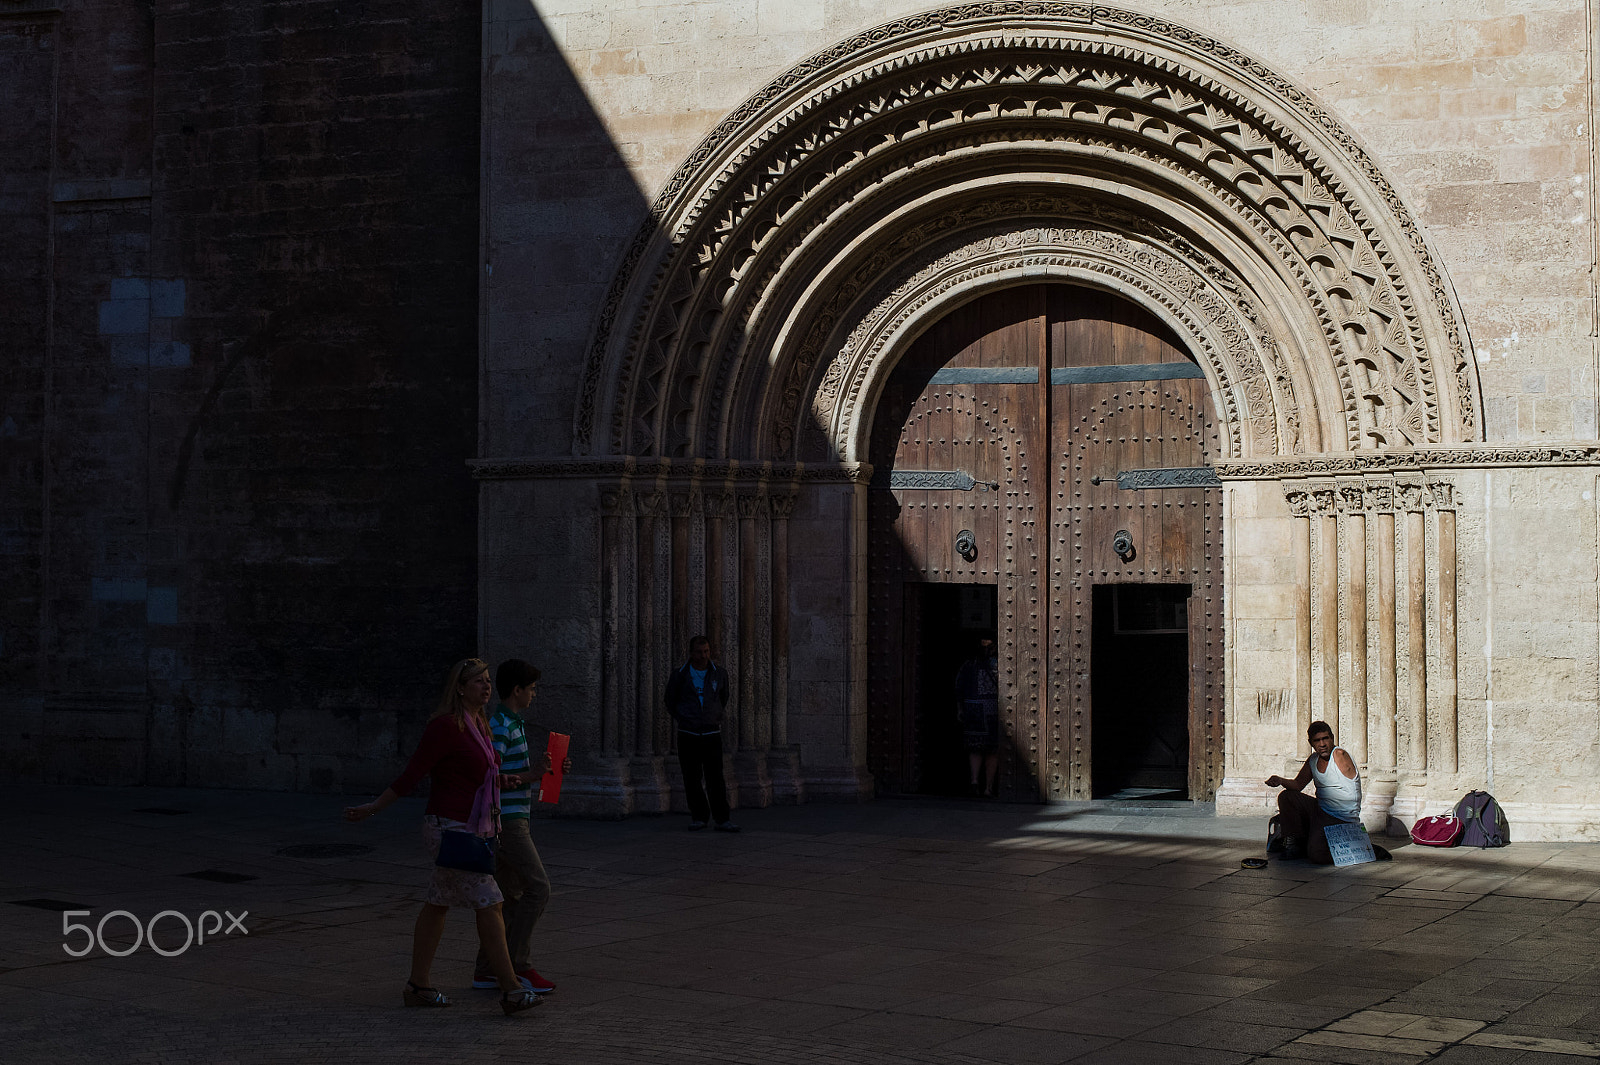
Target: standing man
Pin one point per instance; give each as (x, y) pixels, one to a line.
(1338, 798)
(697, 695)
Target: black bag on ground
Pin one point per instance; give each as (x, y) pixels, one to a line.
(1483, 823)
(1275, 834)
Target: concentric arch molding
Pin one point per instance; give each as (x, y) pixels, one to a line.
(1251, 380)
(696, 336)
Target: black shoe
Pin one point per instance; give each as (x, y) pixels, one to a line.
(695, 826)
(1292, 850)
(726, 826)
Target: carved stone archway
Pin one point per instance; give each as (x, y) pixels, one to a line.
(910, 126)
(1195, 295)
(881, 183)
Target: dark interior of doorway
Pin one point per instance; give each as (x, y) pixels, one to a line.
(1140, 670)
(953, 617)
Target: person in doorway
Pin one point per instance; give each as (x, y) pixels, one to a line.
(1338, 799)
(978, 707)
(517, 868)
(457, 755)
(697, 694)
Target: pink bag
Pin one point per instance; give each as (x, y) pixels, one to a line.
(1436, 831)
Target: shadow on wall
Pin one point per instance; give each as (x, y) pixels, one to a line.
(561, 209)
(262, 535)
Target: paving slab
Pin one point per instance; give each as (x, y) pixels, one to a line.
(935, 932)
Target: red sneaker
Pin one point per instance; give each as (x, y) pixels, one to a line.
(539, 984)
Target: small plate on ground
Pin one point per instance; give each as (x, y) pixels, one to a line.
(1253, 863)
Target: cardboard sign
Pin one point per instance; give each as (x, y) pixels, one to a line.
(1349, 844)
(550, 783)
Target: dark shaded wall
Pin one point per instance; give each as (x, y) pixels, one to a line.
(238, 354)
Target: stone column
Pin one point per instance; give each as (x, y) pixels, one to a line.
(755, 650)
(683, 513)
(1445, 754)
(1300, 507)
(783, 761)
(1353, 622)
(600, 785)
(695, 577)
(1325, 606)
(730, 649)
(1416, 717)
(650, 786)
(1381, 755)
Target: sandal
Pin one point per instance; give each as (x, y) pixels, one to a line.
(518, 1000)
(422, 996)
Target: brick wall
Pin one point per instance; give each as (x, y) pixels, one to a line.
(245, 535)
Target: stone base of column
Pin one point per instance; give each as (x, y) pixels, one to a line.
(599, 789)
(751, 780)
(838, 783)
(1245, 796)
(1377, 802)
(1411, 801)
(783, 768)
(652, 792)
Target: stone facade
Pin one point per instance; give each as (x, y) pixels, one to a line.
(239, 389)
(1371, 224)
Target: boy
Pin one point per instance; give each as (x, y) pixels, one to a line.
(518, 870)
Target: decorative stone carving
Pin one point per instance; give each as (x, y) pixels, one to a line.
(945, 480)
(1463, 458)
(1195, 477)
(1368, 495)
(852, 137)
(1196, 293)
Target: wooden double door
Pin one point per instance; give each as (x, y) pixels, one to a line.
(995, 505)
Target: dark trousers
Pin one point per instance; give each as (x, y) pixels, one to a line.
(526, 886)
(1304, 820)
(702, 756)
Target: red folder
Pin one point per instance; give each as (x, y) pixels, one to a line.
(550, 784)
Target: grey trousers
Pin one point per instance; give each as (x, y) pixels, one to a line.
(525, 885)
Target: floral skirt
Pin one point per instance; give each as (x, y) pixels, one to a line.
(455, 887)
(980, 724)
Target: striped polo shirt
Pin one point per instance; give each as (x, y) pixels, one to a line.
(511, 741)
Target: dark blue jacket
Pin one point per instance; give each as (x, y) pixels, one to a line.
(685, 706)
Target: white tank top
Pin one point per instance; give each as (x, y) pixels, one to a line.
(1337, 794)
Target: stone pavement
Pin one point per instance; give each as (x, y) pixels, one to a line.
(895, 932)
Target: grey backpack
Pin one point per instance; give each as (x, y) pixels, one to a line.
(1483, 823)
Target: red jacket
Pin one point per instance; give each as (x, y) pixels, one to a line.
(455, 761)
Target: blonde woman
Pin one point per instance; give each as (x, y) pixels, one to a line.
(457, 753)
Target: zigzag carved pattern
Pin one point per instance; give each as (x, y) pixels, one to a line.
(1241, 146)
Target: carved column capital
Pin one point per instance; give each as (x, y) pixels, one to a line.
(1410, 496)
(617, 501)
(1299, 500)
(1379, 495)
(1441, 495)
(653, 504)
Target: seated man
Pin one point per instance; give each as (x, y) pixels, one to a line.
(1338, 798)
